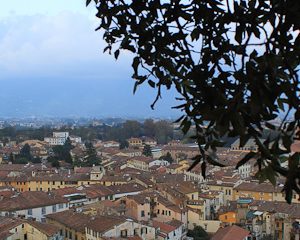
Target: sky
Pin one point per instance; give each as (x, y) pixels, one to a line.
(52, 65)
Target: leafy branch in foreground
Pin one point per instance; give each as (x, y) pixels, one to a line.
(234, 64)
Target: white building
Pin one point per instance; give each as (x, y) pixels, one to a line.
(33, 205)
(120, 228)
(59, 138)
(75, 139)
(159, 162)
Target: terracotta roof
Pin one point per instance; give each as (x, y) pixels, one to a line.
(182, 148)
(126, 188)
(91, 191)
(48, 229)
(28, 200)
(170, 205)
(71, 219)
(141, 159)
(102, 224)
(293, 210)
(7, 224)
(175, 223)
(258, 187)
(230, 233)
(164, 227)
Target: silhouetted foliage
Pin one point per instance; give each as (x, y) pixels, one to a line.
(233, 63)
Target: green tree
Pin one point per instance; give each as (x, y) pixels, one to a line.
(91, 157)
(123, 144)
(233, 63)
(68, 145)
(21, 160)
(62, 152)
(149, 128)
(198, 233)
(163, 131)
(55, 163)
(11, 158)
(132, 128)
(36, 160)
(25, 151)
(147, 151)
(167, 157)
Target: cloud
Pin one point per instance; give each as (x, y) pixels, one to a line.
(54, 65)
(65, 43)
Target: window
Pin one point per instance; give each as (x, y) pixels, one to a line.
(142, 213)
(163, 212)
(53, 183)
(61, 205)
(169, 213)
(29, 211)
(158, 211)
(54, 208)
(124, 233)
(43, 210)
(144, 230)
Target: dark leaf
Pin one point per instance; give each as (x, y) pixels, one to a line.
(245, 159)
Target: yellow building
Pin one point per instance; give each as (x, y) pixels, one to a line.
(12, 229)
(228, 217)
(225, 187)
(261, 191)
(71, 223)
(135, 142)
(49, 180)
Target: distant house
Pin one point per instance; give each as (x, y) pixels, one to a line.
(249, 146)
(58, 138)
(149, 141)
(75, 139)
(140, 162)
(110, 144)
(135, 142)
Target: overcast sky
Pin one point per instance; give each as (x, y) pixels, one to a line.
(51, 64)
